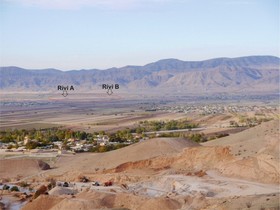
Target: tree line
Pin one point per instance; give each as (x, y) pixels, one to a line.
(158, 125)
(49, 135)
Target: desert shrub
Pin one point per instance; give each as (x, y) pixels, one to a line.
(211, 138)
(107, 148)
(31, 145)
(6, 187)
(222, 135)
(103, 149)
(10, 146)
(23, 184)
(14, 188)
(83, 178)
(198, 137)
(52, 183)
(169, 135)
(249, 204)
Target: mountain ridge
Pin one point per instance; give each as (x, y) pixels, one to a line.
(161, 60)
(248, 73)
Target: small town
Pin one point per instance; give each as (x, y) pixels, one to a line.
(209, 109)
(81, 142)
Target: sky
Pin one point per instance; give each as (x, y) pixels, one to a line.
(87, 34)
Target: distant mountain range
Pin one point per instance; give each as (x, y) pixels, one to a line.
(243, 74)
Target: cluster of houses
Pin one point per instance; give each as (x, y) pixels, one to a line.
(73, 144)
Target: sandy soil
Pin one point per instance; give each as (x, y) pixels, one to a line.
(261, 139)
(17, 169)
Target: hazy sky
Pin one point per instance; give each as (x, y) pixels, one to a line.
(84, 34)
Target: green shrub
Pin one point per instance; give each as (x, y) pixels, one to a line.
(6, 187)
(14, 188)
